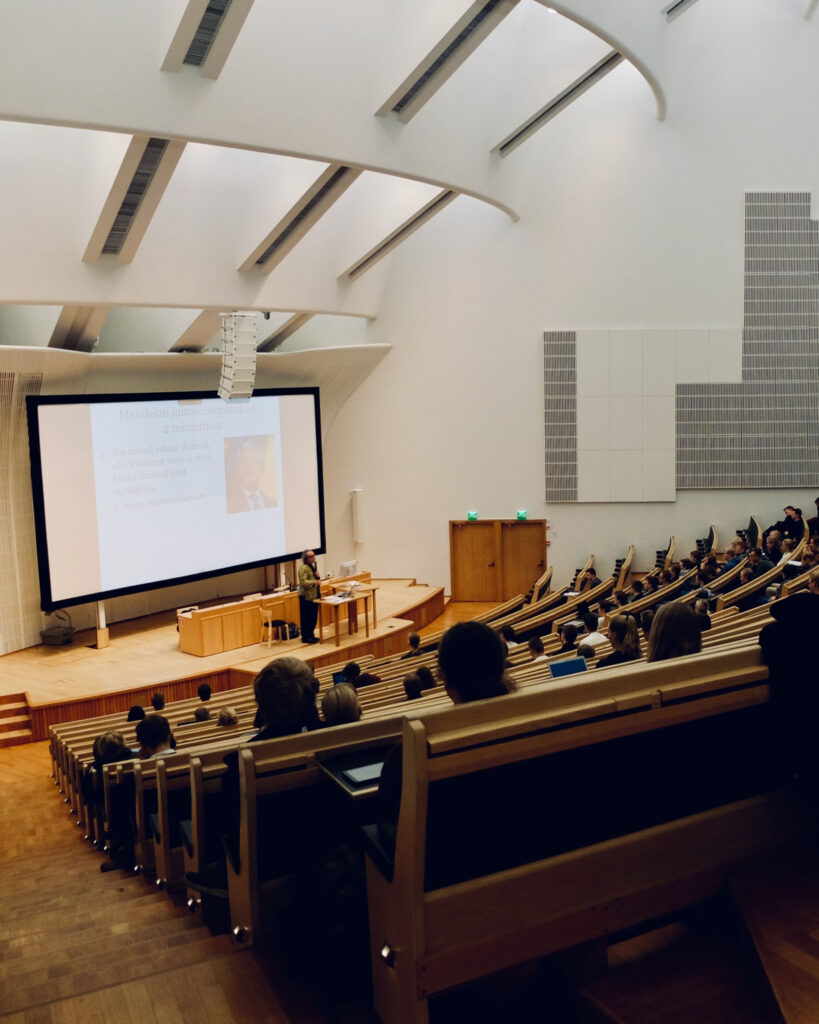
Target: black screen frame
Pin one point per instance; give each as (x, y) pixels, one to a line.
(33, 404)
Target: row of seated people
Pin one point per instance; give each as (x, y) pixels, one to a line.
(320, 840)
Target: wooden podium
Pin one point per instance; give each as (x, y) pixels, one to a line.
(224, 627)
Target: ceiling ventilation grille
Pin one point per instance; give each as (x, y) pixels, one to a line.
(328, 189)
(445, 58)
(143, 176)
(675, 9)
(394, 239)
(206, 32)
(560, 102)
(447, 55)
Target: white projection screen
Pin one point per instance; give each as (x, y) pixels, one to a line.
(134, 492)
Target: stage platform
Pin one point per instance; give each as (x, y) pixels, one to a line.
(79, 681)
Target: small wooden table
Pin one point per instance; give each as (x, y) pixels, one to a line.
(369, 587)
(351, 604)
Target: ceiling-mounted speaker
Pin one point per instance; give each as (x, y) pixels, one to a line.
(238, 355)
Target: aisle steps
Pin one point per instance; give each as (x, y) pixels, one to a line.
(15, 723)
(779, 902)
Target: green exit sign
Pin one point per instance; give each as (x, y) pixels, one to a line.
(472, 515)
(522, 513)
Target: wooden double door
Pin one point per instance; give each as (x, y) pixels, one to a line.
(494, 559)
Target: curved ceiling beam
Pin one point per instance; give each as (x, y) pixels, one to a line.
(586, 13)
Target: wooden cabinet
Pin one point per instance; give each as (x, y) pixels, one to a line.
(494, 559)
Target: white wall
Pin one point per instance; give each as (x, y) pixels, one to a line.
(629, 223)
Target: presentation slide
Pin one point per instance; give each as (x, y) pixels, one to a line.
(136, 493)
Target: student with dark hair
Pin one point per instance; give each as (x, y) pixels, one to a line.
(414, 641)
(646, 620)
(287, 703)
(621, 598)
(593, 636)
(759, 562)
(352, 673)
(136, 713)
(676, 632)
(204, 692)
(585, 651)
(536, 649)
(508, 634)
(154, 737)
(636, 588)
(201, 714)
(472, 664)
(412, 686)
(427, 678)
(568, 633)
(158, 701)
(624, 640)
(649, 585)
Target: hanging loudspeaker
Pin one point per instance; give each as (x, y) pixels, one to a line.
(238, 355)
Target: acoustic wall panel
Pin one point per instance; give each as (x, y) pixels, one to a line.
(702, 408)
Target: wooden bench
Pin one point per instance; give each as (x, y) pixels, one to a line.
(425, 939)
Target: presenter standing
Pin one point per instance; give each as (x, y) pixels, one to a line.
(308, 595)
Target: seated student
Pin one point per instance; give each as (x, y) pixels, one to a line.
(204, 692)
(585, 651)
(568, 633)
(668, 576)
(604, 608)
(508, 634)
(135, 713)
(227, 717)
(339, 705)
(154, 736)
(471, 663)
(200, 714)
(426, 677)
(352, 672)
(752, 600)
(286, 699)
(646, 620)
(367, 679)
(636, 589)
(158, 701)
(759, 562)
(773, 546)
(414, 641)
(738, 551)
(588, 580)
(788, 650)
(650, 585)
(621, 598)
(109, 748)
(624, 640)
(593, 636)
(536, 649)
(412, 686)
(813, 522)
(676, 632)
(701, 608)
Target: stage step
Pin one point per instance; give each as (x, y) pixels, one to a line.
(779, 904)
(15, 723)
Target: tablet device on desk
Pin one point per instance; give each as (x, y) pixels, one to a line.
(567, 667)
(365, 773)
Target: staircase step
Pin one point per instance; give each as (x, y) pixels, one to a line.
(779, 904)
(151, 958)
(12, 739)
(11, 722)
(13, 708)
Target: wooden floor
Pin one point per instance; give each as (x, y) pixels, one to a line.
(146, 650)
(81, 947)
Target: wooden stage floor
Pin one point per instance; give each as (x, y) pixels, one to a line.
(145, 652)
